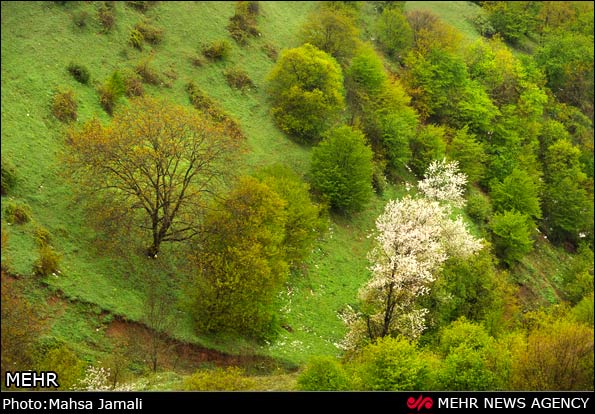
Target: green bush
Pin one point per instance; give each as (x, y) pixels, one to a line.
(147, 73)
(17, 212)
(217, 50)
(483, 25)
(9, 177)
(238, 79)
(141, 6)
(79, 72)
(391, 365)
(64, 106)
(512, 236)
(270, 50)
(229, 379)
(479, 207)
(47, 262)
(65, 363)
(323, 374)
(107, 18)
(204, 103)
(150, 33)
(80, 19)
(242, 25)
(42, 236)
(306, 87)
(133, 84)
(136, 39)
(341, 169)
(111, 91)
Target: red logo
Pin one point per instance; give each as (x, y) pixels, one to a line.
(420, 403)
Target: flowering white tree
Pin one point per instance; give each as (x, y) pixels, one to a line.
(414, 238)
(443, 182)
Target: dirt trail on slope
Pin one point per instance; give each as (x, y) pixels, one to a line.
(135, 340)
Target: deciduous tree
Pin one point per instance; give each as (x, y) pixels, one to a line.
(341, 169)
(159, 160)
(306, 87)
(241, 262)
(414, 238)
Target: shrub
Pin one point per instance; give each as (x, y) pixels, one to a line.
(42, 236)
(323, 374)
(253, 7)
(141, 6)
(230, 379)
(197, 61)
(217, 50)
(379, 181)
(47, 262)
(107, 18)
(79, 72)
(242, 24)
(270, 50)
(17, 212)
(80, 19)
(391, 364)
(147, 73)
(111, 91)
(479, 207)
(64, 106)
(136, 39)
(483, 25)
(9, 177)
(65, 363)
(150, 33)
(133, 84)
(204, 103)
(238, 78)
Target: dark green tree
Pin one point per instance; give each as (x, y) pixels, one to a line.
(341, 169)
(519, 192)
(512, 236)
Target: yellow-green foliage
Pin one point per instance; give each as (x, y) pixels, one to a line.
(306, 86)
(17, 212)
(391, 364)
(9, 176)
(242, 267)
(218, 50)
(150, 33)
(64, 106)
(65, 363)
(48, 261)
(136, 39)
(323, 374)
(229, 379)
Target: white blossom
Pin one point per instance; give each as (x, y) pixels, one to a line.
(414, 238)
(97, 379)
(443, 182)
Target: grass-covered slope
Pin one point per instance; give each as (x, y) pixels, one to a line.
(39, 41)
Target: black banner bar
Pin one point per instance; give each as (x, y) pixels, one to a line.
(397, 402)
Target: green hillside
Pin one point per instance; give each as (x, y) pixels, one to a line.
(97, 300)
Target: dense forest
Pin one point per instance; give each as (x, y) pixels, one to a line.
(332, 195)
